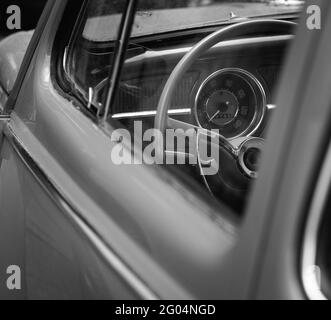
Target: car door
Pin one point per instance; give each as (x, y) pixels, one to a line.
(13, 52)
(84, 231)
(35, 235)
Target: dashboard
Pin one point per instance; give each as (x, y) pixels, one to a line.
(231, 88)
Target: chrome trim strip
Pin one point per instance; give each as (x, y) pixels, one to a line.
(309, 268)
(107, 253)
(143, 114)
(259, 110)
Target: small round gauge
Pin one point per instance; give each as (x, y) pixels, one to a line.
(232, 101)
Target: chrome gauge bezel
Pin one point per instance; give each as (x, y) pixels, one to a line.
(259, 92)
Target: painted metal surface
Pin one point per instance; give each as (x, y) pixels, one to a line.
(167, 243)
(12, 51)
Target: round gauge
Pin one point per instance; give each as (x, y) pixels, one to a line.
(232, 101)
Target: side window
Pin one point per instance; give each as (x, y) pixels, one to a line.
(89, 60)
(204, 123)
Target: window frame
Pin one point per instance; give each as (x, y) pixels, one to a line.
(310, 270)
(63, 80)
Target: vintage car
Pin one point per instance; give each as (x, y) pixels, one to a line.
(96, 203)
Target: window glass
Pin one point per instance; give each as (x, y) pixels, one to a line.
(90, 59)
(227, 90)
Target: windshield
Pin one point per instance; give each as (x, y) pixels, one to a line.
(162, 16)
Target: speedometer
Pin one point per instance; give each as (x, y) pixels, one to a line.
(232, 101)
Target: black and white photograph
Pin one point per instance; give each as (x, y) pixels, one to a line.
(165, 155)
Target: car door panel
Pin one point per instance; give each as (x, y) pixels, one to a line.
(60, 262)
(12, 222)
(61, 144)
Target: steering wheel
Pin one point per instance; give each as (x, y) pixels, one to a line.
(162, 121)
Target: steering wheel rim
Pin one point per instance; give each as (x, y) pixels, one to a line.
(245, 28)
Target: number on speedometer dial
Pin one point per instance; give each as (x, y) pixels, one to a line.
(232, 101)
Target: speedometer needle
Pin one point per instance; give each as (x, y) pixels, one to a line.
(214, 116)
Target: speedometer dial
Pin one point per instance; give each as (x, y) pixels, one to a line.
(232, 101)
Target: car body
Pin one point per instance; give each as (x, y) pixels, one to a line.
(81, 227)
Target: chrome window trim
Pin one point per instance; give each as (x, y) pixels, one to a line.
(112, 258)
(309, 268)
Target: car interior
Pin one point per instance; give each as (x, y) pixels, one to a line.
(222, 77)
